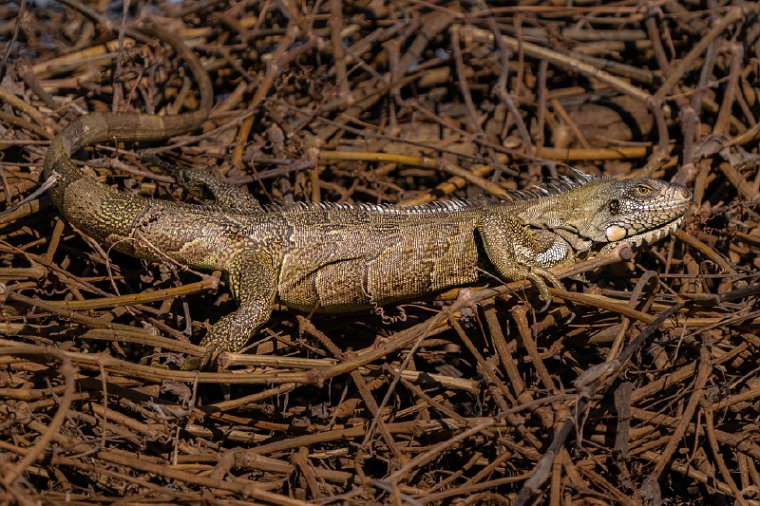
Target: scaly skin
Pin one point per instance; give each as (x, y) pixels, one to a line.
(346, 257)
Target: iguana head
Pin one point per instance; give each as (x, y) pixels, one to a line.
(637, 211)
(596, 213)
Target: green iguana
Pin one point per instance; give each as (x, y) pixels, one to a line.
(345, 257)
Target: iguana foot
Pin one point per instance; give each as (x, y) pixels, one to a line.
(202, 363)
(536, 276)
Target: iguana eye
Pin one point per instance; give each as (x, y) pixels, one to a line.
(643, 190)
(614, 206)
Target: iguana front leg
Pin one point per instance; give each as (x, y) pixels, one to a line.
(520, 253)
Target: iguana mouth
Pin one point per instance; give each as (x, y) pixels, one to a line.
(644, 238)
(651, 236)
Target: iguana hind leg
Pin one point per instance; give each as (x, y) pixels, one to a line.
(253, 283)
(209, 189)
(520, 253)
(204, 186)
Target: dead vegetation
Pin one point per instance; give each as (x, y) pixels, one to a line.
(639, 385)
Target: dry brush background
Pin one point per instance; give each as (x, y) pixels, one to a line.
(640, 384)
